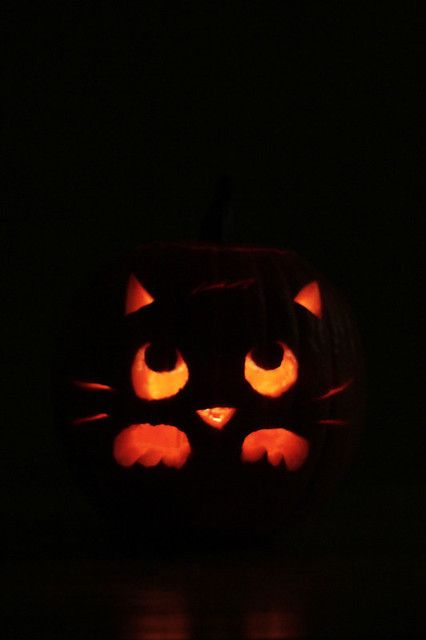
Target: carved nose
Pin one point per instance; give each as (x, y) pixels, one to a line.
(216, 417)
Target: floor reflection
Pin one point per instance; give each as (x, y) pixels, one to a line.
(157, 615)
(273, 625)
(164, 616)
(217, 600)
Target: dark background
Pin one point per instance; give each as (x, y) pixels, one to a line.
(121, 124)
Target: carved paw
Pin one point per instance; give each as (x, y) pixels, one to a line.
(279, 445)
(151, 445)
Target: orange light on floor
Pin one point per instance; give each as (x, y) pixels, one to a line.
(149, 445)
(310, 298)
(216, 417)
(279, 445)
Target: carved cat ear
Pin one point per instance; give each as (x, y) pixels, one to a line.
(310, 298)
(136, 296)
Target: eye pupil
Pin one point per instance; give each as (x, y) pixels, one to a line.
(161, 357)
(268, 356)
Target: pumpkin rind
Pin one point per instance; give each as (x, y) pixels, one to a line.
(214, 305)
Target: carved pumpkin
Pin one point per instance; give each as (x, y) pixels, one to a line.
(210, 387)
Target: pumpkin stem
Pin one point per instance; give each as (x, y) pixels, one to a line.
(216, 222)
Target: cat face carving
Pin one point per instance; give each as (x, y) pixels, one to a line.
(212, 361)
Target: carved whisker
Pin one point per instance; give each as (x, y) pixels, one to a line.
(92, 386)
(98, 416)
(336, 390)
(334, 422)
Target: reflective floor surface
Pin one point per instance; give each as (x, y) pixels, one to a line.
(250, 597)
(358, 572)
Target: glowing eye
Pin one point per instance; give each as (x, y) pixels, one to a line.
(153, 384)
(278, 373)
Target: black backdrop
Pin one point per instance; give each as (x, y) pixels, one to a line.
(121, 123)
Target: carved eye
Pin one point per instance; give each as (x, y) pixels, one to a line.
(272, 370)
(158, 373)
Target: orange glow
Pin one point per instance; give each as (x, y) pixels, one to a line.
(98, 416)
(216, 417)
(236, 284)
(310, 298)
(149, 445)
(279, 445)
(272, 382)
(279, 622)
(336, 390)
(92, 386)
(136, 296)
(157, 385)
(335, 422)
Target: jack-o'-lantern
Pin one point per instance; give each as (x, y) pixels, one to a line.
(210, 387)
